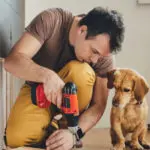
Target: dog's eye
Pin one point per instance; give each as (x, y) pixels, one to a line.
(126, 90)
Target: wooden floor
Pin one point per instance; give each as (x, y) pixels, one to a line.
(96, 139)
(99, 139)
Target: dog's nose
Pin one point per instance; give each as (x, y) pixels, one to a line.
(115, 103)
(139, 102)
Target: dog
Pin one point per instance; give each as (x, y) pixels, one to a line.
(129, 109)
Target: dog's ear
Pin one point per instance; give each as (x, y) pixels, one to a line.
(110, 79)
(141, 88)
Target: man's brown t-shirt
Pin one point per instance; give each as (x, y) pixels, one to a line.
(51, 27)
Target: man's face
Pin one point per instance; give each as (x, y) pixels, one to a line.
(91, 49)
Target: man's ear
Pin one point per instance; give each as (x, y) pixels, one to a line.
(110, 78)
(141, 88)
(83, 29)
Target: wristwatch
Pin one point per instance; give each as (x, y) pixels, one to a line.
(79, 134)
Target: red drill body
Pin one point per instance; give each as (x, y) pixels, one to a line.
(69, 101)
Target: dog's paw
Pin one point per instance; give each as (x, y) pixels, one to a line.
(136, 146)
(119, 146)
(145, 144)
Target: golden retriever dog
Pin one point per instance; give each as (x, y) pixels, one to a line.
(129, 109)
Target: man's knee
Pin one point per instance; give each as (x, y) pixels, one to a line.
(81, 73)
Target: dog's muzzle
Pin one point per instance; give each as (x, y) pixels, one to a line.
(139, 102)
(117, 104)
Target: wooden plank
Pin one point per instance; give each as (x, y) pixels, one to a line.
(2, 100)
(9, 89)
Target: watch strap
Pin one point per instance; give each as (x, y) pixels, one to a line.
(79, 133)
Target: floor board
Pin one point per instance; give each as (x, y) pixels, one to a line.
(96, 139)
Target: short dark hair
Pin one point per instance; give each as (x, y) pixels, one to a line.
(100, 20)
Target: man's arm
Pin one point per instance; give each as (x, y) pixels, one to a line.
(19, 62)
(92, 115)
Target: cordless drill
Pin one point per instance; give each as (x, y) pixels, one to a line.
(69, 104)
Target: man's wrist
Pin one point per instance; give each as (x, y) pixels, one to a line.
(76, 143)
(79, 133)
(77, 136)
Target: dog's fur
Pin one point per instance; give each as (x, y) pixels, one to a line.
(129, 109)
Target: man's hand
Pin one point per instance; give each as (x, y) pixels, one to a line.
(53, 86)
(60, 140)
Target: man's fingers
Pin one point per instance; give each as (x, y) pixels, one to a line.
(53, 135)
(56, 145)
(53, 96)
(59, 99)
(54, 140)
(48, 96)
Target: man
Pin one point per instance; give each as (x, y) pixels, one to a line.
(58, 47)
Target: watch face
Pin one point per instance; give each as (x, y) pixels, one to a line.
(80, 133)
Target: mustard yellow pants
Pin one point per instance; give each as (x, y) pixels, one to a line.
(27, 121)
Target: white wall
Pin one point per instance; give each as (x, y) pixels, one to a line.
(136, 47)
